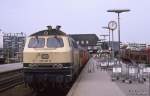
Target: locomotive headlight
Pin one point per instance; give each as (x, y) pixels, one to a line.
(54, 65)
(32, 65)
(57, 66)
(60, 66)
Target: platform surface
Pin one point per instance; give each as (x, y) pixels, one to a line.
(9, 67)
(94, 82)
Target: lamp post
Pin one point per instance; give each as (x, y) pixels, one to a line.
(112, 25)
(104, 27)
(105, 48)
(118, 11)
(104, 36)
(113, 56)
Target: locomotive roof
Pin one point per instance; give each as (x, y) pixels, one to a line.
(49, 32)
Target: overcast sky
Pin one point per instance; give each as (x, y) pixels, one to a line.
(76, 16)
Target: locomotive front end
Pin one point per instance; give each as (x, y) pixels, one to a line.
(47, 61)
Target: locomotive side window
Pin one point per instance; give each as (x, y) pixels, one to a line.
(36, 43)
(72, 43)
(75, 44)
(54, 42)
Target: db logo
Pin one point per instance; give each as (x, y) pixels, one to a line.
(44, 56)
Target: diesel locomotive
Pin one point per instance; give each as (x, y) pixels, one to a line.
(52, 58)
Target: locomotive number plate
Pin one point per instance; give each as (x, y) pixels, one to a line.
(44, 56)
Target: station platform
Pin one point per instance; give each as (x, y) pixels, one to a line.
(10, 67)
(94, 82)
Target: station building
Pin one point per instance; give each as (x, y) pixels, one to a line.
(2, 59)
(13, 44)
(87, 41)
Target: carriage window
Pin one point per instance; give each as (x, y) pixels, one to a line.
(54, 42)
(36, 43)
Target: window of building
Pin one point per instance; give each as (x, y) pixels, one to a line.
(89, 47)
(87, 42)
(77, 42)
(82, 42)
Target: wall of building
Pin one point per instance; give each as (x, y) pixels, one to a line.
(13, 44)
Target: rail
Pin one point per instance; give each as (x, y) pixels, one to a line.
(10, 79)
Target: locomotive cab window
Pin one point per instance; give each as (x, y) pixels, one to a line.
(36, 43)
(55, 42)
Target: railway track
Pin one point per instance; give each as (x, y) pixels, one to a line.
(10, 79)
